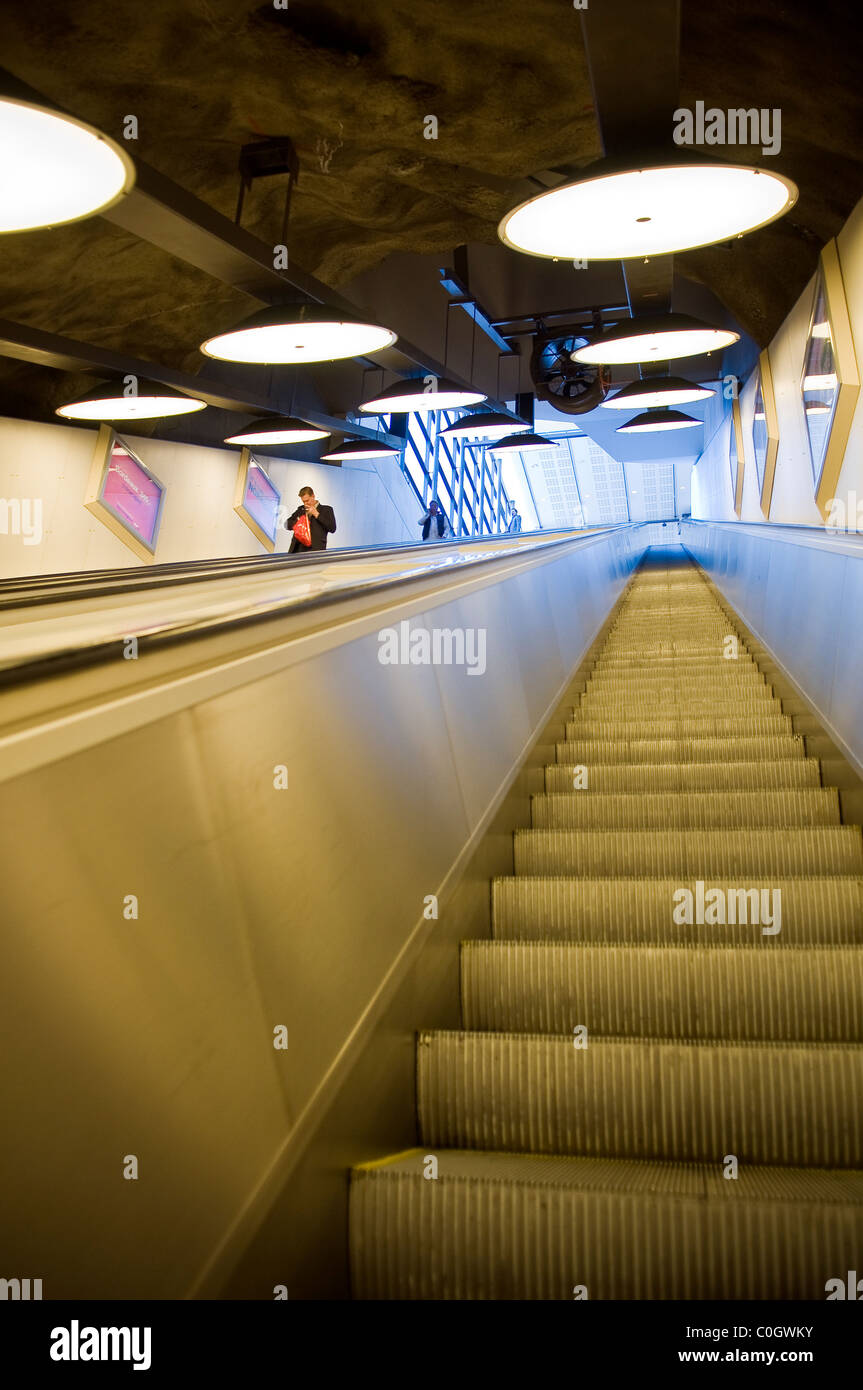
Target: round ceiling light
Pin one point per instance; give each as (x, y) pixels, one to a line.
(654, 340)
(284, 430)
(663, 390)
(55, 169)
(523, 443)
(651, 421)
(411, 396)
(298, 333)
(362, 449)
(151, 401)
(486, 424)
(615, 214)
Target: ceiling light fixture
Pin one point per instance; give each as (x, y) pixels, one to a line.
(817, 408)
(298, 333)
(523, 443)
(664, 390)
(151, 401)
(652, 421)
(411, 396)
(286, 429)
(55, 169)
(616, 213)
(654, 339)
(485, 424)
(362, 449)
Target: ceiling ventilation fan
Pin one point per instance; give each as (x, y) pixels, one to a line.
(571, 387)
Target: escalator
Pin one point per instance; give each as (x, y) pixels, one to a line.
(657, 1089)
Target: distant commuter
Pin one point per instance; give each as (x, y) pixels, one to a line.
(434, 523)
(321, 522)
(514, 519)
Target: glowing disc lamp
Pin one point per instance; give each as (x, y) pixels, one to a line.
(654, 339)
(362, 449)
(485, 424)
(674, 204)
(663, 390)
(298, 333)
(287, 429)
(55, 169)
(652, 421)
(152, 401)
(523, 443)
(411, 396)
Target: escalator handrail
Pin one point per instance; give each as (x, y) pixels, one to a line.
(44, 664)
(34, 590)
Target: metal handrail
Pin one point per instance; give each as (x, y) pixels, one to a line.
(62, 659)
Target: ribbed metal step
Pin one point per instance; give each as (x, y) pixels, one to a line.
(774, 992)
(697, 809)
(801, 1105)
(751, 698)
(514, 1226)
(667, 725)
(683, 777)
(691, 853)
(815, 911)
(689, 748)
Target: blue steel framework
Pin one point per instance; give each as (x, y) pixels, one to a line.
(455, 472)
(464, 477)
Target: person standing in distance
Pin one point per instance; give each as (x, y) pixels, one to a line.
(434, 524)
(514, 519)
(321, 519)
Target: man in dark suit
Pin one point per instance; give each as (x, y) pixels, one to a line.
(322, 522)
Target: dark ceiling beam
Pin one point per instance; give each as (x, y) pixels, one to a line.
(161, 212)
(633, 56)
(34, 345)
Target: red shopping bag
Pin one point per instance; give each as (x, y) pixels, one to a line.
(302, 529)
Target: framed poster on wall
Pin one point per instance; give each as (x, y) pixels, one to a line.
(257, 500)
(765, 431)
(125, 495)
(830, 383)
(735, 453)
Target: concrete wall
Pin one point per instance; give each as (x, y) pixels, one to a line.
(793, 490)
(151, 1035)
(51, 463)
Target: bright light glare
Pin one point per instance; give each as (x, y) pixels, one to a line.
(285, 433)
(652, 424)
(827, 382)
(130, 408)
(421, 402)
(658, 394)
(359, 449)
(647, 212)
(54, 169)
(657, 347)
(820, 330)
(299, 342)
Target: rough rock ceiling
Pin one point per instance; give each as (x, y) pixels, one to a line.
(352, 85)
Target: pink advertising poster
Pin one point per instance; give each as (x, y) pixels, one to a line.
(261, 499)
(133, 495)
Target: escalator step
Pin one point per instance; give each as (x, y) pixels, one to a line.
(514, 1226)
(686, 748)
(700, 854)
(799, 994)
(778, 1103)
(698, 809)
(666, 777)
(815, 911)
